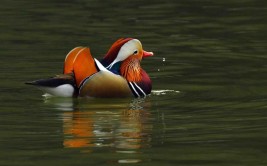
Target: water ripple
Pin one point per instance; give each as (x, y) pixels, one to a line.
(164, 92)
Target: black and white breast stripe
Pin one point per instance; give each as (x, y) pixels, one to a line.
(137, 90)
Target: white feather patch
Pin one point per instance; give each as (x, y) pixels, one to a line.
(65, 90)
(100, 66)
(126, 50)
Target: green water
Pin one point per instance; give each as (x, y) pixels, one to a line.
(209, 99)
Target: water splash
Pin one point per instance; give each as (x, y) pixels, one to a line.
(164, 92)
(163, 60)
(47, 95)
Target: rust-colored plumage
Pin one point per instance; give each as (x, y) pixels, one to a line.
(130, 69)
(69, 60)
(114, 49)
(80, 62)
(83, 66)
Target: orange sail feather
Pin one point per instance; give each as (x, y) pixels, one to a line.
(68, 64)
(83, 65)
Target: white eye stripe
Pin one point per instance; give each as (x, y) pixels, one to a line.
(126, 50)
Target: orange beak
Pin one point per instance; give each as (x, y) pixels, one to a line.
(147, 54)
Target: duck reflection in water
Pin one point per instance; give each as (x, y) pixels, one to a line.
(122, 126)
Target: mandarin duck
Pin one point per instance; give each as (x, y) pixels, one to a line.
(118, 74)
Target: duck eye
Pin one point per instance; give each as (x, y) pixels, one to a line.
(135, 52)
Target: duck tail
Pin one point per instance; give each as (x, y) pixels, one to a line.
(79, 65)
(60, 85)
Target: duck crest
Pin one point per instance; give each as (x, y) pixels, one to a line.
(114, 50)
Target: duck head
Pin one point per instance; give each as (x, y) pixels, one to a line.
(125, 56)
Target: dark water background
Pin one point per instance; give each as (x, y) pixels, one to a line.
(208, 107)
